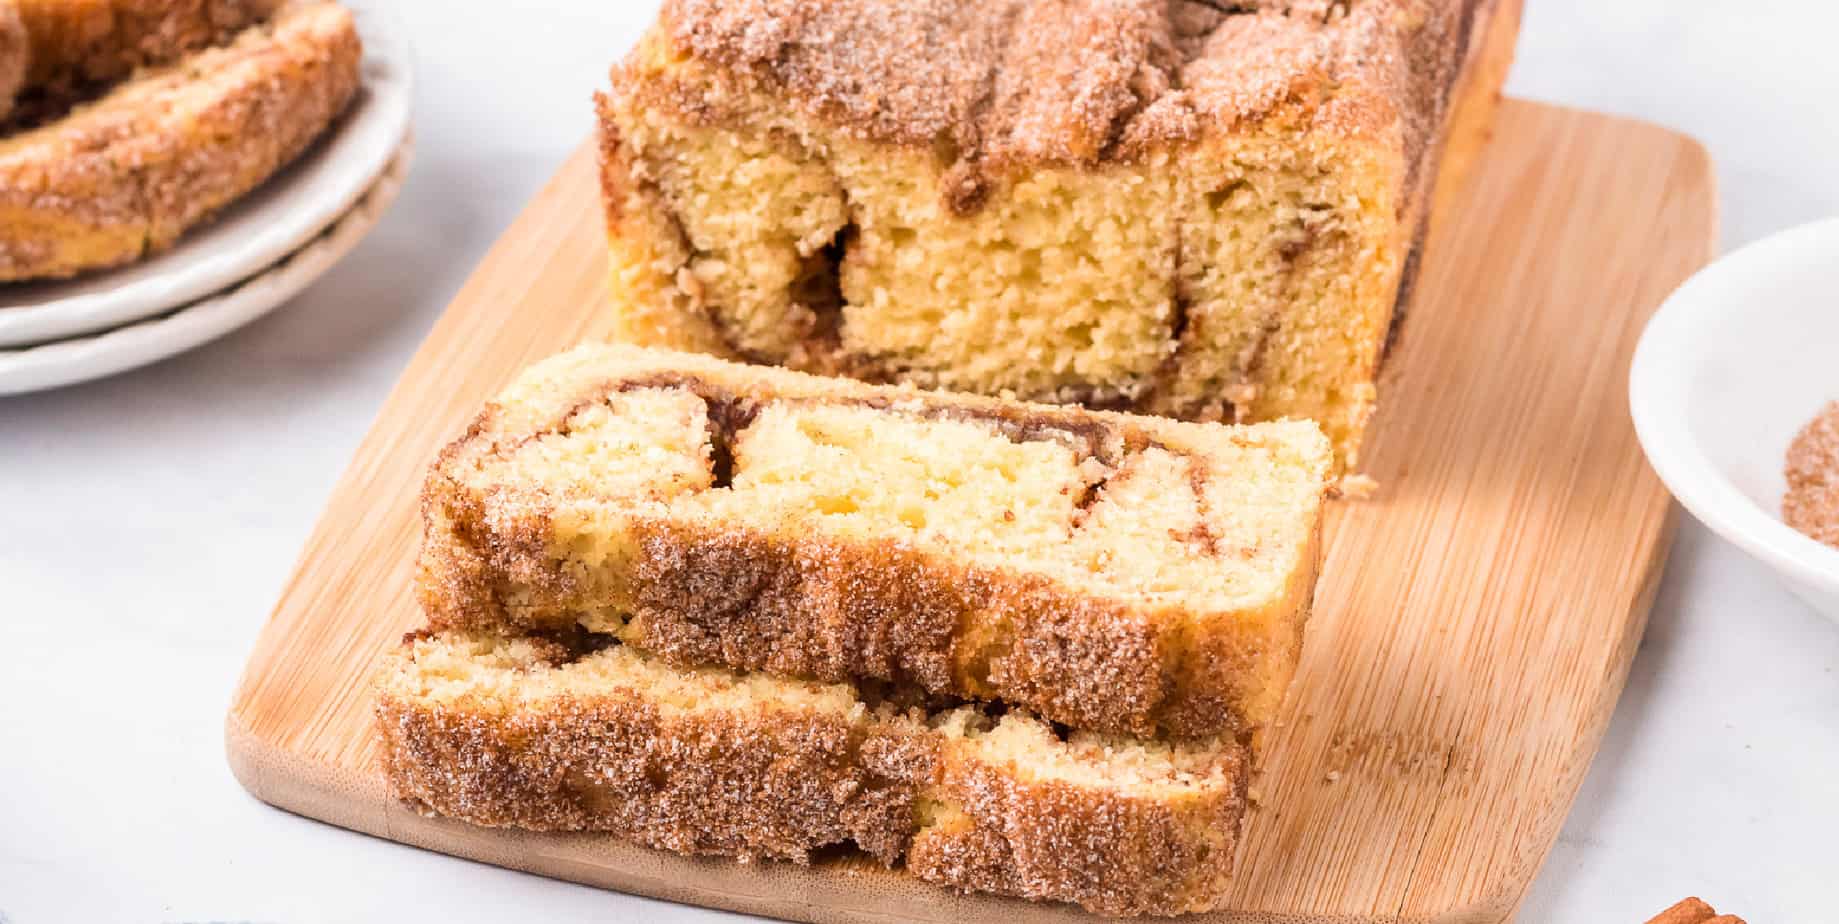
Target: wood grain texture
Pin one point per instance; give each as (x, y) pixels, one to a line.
(1472, 631)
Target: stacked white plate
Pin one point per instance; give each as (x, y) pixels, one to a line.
(259, 253)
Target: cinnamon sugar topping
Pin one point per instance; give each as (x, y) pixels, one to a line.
(1048, 81)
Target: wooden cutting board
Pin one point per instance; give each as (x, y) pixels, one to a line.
(1472, 631)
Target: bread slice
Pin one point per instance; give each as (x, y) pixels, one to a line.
(77, 45)
(128, 174)
(1125, 574)
(1196, 208)
(580, 733)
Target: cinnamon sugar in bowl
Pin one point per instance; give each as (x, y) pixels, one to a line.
(1812, 502)
(1729, 372)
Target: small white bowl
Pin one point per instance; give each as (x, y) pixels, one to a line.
(1728, 371)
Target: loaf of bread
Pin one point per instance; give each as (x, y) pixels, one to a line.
(1115, 573)
(1184, 207)
(576, 732)
(125, 175)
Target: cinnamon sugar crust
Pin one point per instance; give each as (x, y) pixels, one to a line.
(1109, 853)
(688, 558)
(1032, 82)
(552, 735)
(125, 176)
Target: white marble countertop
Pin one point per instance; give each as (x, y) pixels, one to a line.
(147, 524)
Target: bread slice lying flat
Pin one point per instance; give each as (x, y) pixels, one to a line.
(1201, 208)
(127, 174)
(1114, 573)
(579, 733)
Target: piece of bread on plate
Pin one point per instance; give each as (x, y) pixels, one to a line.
(126, 175)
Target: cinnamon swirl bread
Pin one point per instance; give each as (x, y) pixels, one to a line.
(1114, 573)
(1183, 207)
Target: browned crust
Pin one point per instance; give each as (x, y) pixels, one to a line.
(837, 611)
(775, 783)
(831, 611)
(79, 44)
(811, 606)
(1106, 852)
(127, 175)
(785, 783)
(1024, 83)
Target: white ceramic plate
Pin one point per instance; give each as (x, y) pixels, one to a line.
(67, 362)
(270, 223)
(1727, 372)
